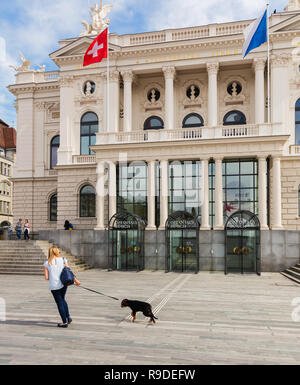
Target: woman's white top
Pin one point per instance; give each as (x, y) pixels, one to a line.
(55, 271)
(27, 226)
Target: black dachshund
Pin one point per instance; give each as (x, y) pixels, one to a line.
(137, 306)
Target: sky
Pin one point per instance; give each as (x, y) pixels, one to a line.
(34, 27)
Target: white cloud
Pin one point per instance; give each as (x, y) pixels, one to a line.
(172, 13)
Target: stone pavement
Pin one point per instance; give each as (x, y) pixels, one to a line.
(207, 318)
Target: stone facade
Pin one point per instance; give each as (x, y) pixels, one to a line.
(169, 75)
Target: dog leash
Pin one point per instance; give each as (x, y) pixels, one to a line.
(93, 291)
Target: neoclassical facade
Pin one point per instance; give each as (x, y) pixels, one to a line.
(187, 131)
(7, 159)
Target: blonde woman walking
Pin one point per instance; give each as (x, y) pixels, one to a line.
(52, 271)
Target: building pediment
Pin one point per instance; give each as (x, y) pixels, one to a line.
(290, 24)
(77, 48)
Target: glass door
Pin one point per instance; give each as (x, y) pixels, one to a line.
(183, 251)
(176, 251)
(190, 255)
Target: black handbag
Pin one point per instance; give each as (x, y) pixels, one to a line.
(67, 277)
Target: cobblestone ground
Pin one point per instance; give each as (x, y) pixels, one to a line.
(207, 318)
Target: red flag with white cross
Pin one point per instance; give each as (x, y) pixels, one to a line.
(97, 51)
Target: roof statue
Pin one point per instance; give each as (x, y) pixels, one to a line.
(25, 66)
(99, 20)
(293, 5)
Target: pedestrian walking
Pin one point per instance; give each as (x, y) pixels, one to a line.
(52, 271)
(18, 229)
(26, 230)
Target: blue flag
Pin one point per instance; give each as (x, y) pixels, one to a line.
(256, 34)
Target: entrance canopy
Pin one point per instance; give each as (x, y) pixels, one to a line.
(243, 220)
(182, 220)
(126, 221)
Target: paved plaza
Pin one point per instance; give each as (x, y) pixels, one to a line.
(207, 318)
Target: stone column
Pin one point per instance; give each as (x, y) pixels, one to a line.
(276, 195)
(100, 196)
(128, 78)
(151, 195)
(219, 207)
(259, 69)
(39, 145)
(169, 73)
(262, 193)
(212, 69)
(112, 182)
(164, 193)
(66, 120)
(114, 101)
(279, 88)
(205, 225)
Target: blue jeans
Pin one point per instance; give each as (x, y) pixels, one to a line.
(19, 234)
(59, 297)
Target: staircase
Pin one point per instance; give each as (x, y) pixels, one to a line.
(293, 273)
(28, 257)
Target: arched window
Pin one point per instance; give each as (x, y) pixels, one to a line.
(54, 146)
(297, 121)
(154, 123)
(87, 202)
(234, 118)
(53, 208)
(193, 120)
(88, 130)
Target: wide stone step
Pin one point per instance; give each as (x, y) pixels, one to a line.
(295, 269)
(290, 276)
(292, 273)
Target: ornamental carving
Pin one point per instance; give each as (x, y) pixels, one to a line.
(99, 20)
(259, 64)
(280, 60)
(169, 72)
(234, 91)
(66, 81)
(128, 76)
(153, 97)
(212, 68)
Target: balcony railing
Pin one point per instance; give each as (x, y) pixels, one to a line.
(190, 134)
(295, 150)
(84, 159)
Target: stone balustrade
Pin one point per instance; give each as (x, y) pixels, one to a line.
(295, 150)
(84, 159)
(188, 134)
(51, 76)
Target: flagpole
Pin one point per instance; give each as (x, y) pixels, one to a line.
(268, 35)
(107, 101)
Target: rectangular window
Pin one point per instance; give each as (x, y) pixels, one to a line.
(212, 175)
(185, 187)
(240, 186)
(132, 188)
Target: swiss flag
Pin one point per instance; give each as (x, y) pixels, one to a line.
(97, 50)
